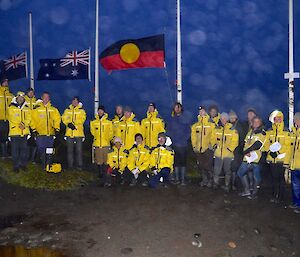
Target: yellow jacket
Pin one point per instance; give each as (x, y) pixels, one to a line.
(5, 100)
(225, 139)
(127, 129)
(255, 141)
(116, 121)
(16, 116)
(45, 119)
(101, 129)
(76, 116)
(31, 102)
(215, 120)
(117, 159)
(138, 157)
(278, 134)
(151, 126)
(201, 134)
(295, 149)
(162, 157)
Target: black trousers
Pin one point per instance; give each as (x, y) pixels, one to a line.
(19, 151)
(180, 156)
(278, 181)
(128, 176)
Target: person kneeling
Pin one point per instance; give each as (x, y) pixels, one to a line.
(161, 162)
(117, 161)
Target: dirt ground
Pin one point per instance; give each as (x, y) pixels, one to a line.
(124, 221)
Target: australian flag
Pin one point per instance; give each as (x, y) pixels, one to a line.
(75, 65)
(14, 67)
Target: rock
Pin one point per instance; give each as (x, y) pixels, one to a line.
(227, 201)
(197, 235)
(232, 245)
(273, 248)
(126, 250)
(197, 243)
(9, 230)
(47, 238)
(257, 231)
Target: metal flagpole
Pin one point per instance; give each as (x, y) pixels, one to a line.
(31, 52)
(291, 75)
(97, 59)
(179, 65)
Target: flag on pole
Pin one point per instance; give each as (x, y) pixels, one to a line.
(75, 65)
(14, 67)
(146, 52)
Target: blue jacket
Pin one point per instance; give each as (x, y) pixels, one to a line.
(178, 129)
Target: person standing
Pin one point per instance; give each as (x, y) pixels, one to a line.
(278, 147)
(45, 125)
(151, 126)
(5, 99)
(295, 163)
(19, 115)
(178, 128)
(117, 118)
(102, 131)
(224, 140)
(73, 118)
(201, 134)
(214, 114)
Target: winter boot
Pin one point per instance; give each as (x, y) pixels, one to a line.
(176, 176)
(246, 186)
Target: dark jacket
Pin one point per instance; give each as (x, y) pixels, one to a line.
(178, 129)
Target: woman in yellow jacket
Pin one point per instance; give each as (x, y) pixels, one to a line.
(161, 162)
(151, 126)
(137, 163)
(278, 149)
(19, 116)
(201, 134)
(73, 118)
(102, 131)
(117, 118)
(224, 139)
(295, 163)
(128, 128)
(117, 162)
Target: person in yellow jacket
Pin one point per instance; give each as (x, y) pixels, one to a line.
(201, 134)
(128, 128)
(151, 126)
(30, 98)
(73, 118)
(5, 100)
(254, 146)
(278, 149)
(117, 162)
(117, 118)
(295, 163)
(102, 131)
(224, 140)
(19, 115)
(45, 125)
(137, 163)
(214, 114)
(161, 162)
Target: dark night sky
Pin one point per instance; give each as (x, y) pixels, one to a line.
(234, 52)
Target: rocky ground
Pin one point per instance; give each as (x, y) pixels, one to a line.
(94, 222)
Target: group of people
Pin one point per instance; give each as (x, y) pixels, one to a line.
(152, 151)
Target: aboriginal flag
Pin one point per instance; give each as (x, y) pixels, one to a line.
(148, 52)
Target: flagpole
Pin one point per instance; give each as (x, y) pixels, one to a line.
(31, 77)
(97, 59)
(291, 75)
(179, 65)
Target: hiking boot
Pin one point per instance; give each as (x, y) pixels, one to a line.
(297, 211)
(245, 193)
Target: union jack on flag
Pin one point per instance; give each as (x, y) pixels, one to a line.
(76, 57)
(15, 61)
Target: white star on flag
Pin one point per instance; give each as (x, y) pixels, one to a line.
(74, 72)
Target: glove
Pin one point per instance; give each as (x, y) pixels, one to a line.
(274, 154)
(56, 132)
(71, 126)
(34, 134)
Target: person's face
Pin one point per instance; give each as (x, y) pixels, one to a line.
(118, 145)
(46, 98)
(232, 119)
(161, 140)
(75, 102)
(30, 94)
(177, 109)
(100, 112)
(20, 100)
(119, 110)
(213, 113)
(297, 123)
(251, 116)
(202, 112)
(151, 108)
(223, 120)
(127, 114)
(139, 140)
(4, 83)
(256, 123)
(278, 120)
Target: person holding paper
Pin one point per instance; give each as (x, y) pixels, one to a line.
(137, 162)
(254, 142)
(278, 149)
